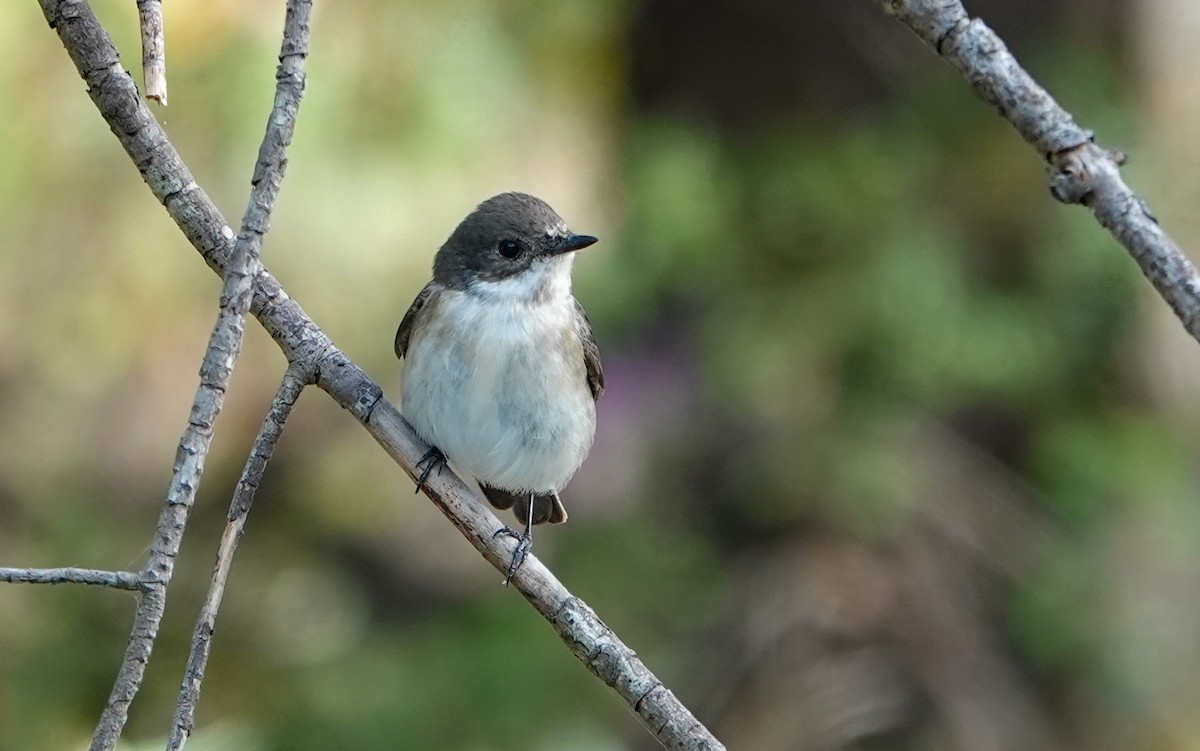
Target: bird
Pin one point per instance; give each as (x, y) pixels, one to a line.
(500, 372)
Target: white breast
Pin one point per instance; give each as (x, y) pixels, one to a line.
(498, 383)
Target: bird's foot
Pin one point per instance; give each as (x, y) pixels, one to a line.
(433, 459)
(524, 545)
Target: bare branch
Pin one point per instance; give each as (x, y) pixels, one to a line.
(301, 340)
(293, 383)
(115, 579)
(281, 123)
(154, 55)
(1080, 171)
(224, 346)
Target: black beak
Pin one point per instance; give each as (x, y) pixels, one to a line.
(571, 243)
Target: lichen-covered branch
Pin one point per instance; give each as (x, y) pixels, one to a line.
(294, 381)
(1080, 171)
(302, 341)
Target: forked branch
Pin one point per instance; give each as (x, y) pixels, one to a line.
(224, 344)
(294, 381)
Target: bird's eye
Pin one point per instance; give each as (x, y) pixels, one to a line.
(509, 248)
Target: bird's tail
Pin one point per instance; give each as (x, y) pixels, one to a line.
(547, 507)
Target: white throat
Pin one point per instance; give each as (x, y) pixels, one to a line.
(543, 282)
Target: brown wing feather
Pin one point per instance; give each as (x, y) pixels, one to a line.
(404, 333)
(591, 353)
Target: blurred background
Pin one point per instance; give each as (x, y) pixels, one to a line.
(896, 453)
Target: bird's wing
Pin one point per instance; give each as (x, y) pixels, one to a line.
(591, 353)
(404, 333)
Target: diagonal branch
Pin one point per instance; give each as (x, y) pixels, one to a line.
(1080, 171)
(301, 340)
(294, 381)
(115, 579)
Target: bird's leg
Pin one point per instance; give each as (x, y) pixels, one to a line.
(524, 543)
(433, 459)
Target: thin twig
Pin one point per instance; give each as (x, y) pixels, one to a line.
(294, 381)
(301, 340)
(154, 54)
(115, 579)
(224, 346)
(1080, 171)
(271, 164)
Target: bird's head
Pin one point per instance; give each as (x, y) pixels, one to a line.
(512, 246)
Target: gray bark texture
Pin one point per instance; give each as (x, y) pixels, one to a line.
(130, 580)
(154, 55)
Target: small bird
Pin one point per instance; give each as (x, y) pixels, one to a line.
(501, 373)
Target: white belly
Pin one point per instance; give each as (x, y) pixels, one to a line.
(501, 389)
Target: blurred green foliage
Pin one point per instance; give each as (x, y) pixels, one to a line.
(778, 309)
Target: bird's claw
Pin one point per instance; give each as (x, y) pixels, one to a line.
(433, 459)
(520, 552)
